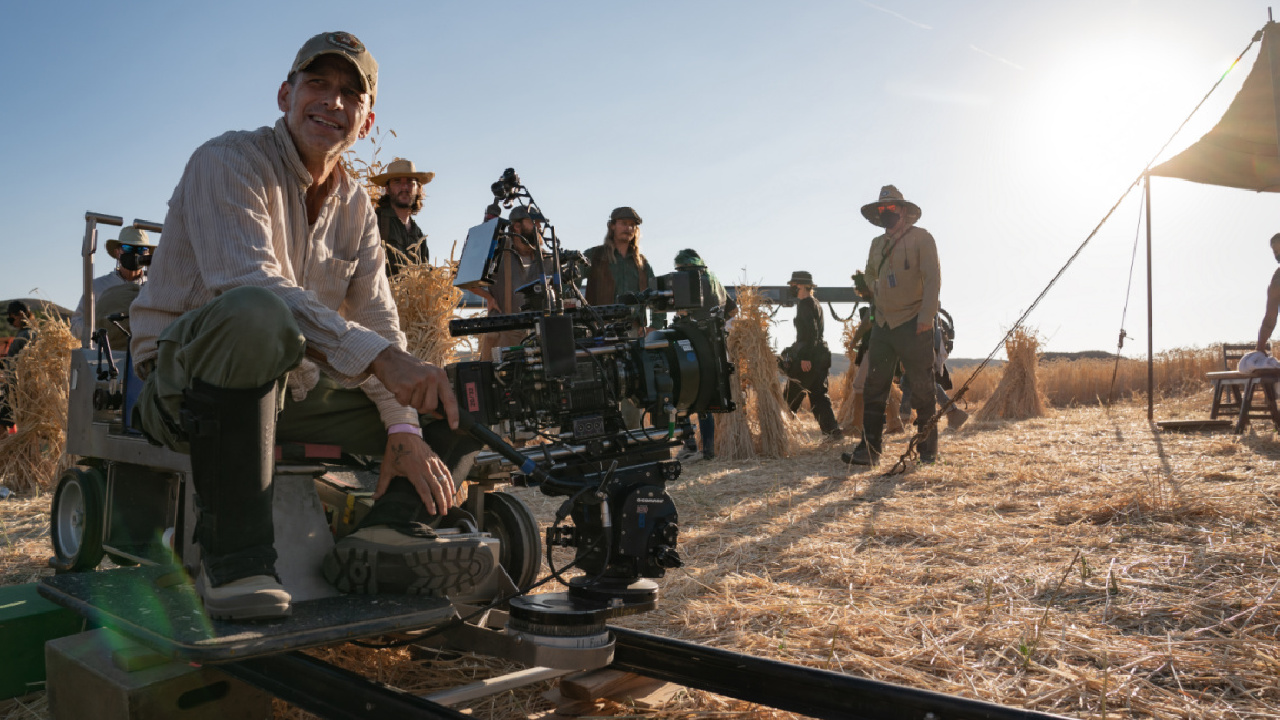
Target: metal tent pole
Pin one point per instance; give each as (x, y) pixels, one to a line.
(1151, 368)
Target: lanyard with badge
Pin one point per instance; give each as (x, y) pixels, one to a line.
(884, 258)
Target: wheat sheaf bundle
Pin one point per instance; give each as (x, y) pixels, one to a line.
(847, 416)
(1018, 396)
(775, 437)
(32, 459)
(733, 430)
(427, 300)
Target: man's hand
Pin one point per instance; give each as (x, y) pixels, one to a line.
(422, 386)
(410, 456)
(805, 366)
(489, 299)
(924, 327)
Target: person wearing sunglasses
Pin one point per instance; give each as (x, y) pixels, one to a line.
(905, 279)
(132, 253)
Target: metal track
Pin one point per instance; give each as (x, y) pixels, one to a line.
(331, 692)
(813, 692)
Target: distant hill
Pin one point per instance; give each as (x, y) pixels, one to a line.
(1082, 355)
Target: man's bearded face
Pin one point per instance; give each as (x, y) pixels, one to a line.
(402, 192)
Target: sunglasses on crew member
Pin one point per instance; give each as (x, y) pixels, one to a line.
(135, 249)
(887, 208)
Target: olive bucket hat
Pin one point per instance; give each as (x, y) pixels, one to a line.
(801, 277)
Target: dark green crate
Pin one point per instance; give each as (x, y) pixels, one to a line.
(27, 622)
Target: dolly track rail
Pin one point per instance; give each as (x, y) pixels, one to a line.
(796, 688)
(332, 692)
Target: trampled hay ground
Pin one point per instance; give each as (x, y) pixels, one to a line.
(1083, 563)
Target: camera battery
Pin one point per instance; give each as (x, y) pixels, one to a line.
(558, 350)
(472, 382)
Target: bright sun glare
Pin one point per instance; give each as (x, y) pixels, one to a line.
(1101, 112)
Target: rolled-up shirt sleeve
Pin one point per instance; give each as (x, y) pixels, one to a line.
(368, 302)
(230, 224)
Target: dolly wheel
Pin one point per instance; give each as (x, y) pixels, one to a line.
(75, 520)
(510, 520)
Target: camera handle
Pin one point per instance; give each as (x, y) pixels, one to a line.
(468, 424)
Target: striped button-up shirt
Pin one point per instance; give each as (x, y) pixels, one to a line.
(238, 217)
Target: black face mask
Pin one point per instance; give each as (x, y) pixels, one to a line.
(11, 321)
(888, 219)
(134, 261)
(793, 291)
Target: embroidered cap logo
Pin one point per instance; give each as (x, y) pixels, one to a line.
(346, 41)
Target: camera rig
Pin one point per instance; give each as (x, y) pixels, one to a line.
(566, 383)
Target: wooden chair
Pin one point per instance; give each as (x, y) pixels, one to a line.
(1228, 383)
(1236, 392)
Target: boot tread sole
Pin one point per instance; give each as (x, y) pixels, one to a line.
(435, 569)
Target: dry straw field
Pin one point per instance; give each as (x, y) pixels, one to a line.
(1083, 563)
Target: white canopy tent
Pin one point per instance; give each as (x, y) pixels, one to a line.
(1241, 151)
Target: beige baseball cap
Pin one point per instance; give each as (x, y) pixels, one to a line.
(346, 45)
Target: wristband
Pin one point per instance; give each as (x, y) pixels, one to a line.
(404, 428)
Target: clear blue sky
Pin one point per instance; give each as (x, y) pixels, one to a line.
(751, 131)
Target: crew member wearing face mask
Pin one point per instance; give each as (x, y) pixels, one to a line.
(132, 253)
(1273, 303)
(904, 278)
(807, 362)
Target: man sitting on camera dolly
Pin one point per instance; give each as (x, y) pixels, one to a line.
(272, 268)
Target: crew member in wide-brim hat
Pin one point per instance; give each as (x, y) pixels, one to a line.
(401, 169)
(403, 198)
(905, 278)
(135, 237)
(890, 196)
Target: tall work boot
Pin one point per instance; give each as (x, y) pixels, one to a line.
(928, 447)
(232, 435)
(397, 550)
(867, 452)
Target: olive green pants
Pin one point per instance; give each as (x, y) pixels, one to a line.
(246, 338)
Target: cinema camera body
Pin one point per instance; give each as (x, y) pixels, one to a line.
(566, 383)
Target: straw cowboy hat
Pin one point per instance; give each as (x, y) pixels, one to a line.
(136, 237)
(401, 169)
(889, 195)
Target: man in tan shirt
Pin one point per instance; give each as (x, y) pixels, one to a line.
(272, 268)
(905, 279)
